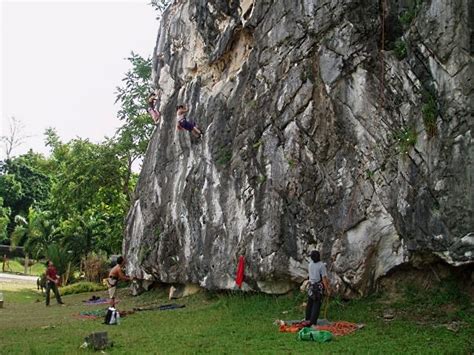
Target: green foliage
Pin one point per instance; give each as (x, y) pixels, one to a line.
(24, 182)
(36, 232)
(430, 113)
(292, 162)
(4, 221)
(62, 260)
(90, 174)
(400, 49)
(406, 139)
(261, 179)
(407, 16)
(81, 287)
(131, 139)
(224, 155)
(369, 174)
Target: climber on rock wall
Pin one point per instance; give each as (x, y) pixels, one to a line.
(153, 108)
(183, 123)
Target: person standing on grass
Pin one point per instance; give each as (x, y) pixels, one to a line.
(52, 282)
(318, 287)
(6, 264)
(116, 274)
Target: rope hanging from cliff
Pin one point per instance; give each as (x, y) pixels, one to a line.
(383, 7)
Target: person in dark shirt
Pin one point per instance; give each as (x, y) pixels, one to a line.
(184, 123)
(52, 282)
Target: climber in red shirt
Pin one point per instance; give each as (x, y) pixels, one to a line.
(52, 282)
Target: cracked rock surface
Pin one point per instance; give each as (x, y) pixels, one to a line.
(317, 136)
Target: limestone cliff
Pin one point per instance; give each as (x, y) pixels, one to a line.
(338, 125)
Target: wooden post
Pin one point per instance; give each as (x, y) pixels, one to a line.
(26, 263)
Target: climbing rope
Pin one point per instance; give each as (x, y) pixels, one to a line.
(383, 5)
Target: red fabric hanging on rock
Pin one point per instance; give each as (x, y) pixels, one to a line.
(239, 278)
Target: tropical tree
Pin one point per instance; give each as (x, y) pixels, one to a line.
(62, 260)
(35, 232)
(87, 174)
(24, 182)
(4, 221)
(132, 137)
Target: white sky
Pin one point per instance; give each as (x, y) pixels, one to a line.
(62, 60)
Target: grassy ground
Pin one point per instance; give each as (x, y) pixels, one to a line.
(16, 267)
(236, 323)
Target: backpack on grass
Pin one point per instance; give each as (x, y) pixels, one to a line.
(112, 317)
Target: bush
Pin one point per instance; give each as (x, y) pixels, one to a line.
(406, 139)
(430, 114)
(400, 49)
(95, 268)
(82, 287)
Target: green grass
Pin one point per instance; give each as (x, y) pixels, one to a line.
(406, 138)
(227, 323)
(36, 269)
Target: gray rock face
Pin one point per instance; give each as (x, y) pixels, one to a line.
(316, 137)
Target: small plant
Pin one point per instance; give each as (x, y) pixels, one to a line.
(407, 16)
(400, 49)
(252, 104)
(258, 144)
(224, 156)
(291, 162)
(369, 174)
(406, 139)
(430, 113)
(261, 179)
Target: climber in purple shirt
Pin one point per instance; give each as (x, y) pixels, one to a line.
(183, 123)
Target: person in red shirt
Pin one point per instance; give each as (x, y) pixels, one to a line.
(52, 282)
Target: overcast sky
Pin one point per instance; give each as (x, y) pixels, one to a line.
(62, 60)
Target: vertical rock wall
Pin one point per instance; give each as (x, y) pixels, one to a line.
(317, 136)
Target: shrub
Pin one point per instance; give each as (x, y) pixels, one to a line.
(407, 16)
(406, 139)
(81, 287)
(400, 49)
(430, 113)
(95, 267)
(224, 156)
